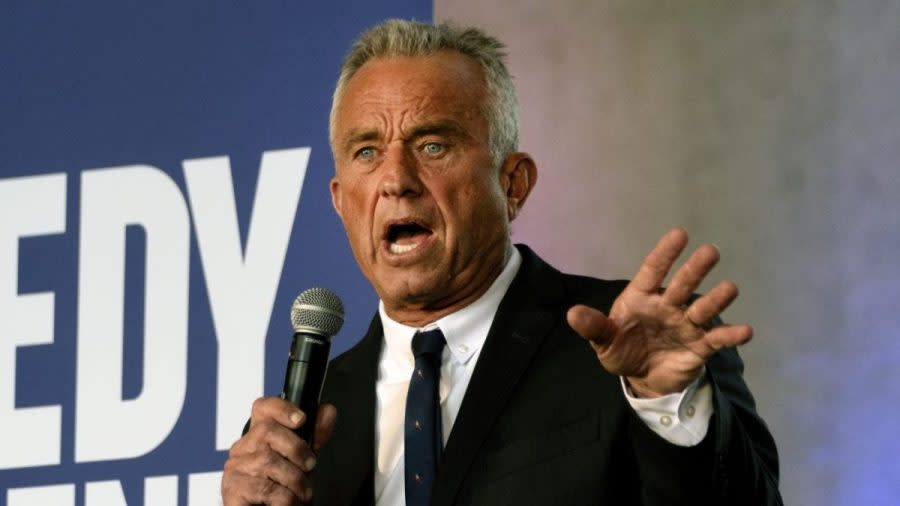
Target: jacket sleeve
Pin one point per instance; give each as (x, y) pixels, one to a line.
(736, 463)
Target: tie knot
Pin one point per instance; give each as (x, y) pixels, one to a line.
(428, 343)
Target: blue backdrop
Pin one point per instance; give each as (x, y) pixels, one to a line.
(163, 191)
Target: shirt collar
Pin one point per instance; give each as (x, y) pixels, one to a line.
(465, 330)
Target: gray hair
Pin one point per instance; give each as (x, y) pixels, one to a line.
(397, 37)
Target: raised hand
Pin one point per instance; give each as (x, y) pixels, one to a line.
(270, 463)
(654, 337)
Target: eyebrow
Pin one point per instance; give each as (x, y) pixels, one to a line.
(440, 127)
(358, 136)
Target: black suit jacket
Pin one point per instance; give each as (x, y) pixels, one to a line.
(543, 423)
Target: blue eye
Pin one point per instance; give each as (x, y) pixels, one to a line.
(366, 153)
(433, 148)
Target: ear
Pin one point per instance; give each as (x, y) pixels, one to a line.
(336, 202)
(518, 175)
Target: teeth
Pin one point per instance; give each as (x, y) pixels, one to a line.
(401, 248)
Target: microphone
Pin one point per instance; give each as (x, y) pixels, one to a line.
(316, 315)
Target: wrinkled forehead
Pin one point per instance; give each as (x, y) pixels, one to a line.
(399, 91)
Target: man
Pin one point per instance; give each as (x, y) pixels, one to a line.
(428, 178)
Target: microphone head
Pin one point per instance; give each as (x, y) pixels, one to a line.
(317, 311)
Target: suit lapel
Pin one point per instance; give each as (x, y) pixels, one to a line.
(526, 315)
(351, 388)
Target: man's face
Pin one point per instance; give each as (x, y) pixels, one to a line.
(426, 213)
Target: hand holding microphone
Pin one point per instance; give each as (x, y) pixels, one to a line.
(316, 315)
(270, 464)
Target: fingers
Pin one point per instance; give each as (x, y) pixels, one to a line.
(715, 301)
(265, 478)
(273, 424)
(284, 442)
(277, 409)
(324, 425)
(689, 276)
(656, 264)
(708, 307)
(240, 489)
(727, 336)
(591, 324)
(268, 465)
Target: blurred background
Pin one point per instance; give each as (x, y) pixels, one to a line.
(769, 128)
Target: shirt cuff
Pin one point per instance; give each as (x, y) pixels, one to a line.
(680, 418)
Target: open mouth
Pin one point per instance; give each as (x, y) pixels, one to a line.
(405, 237)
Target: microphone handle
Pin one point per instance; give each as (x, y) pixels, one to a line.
(303, 379)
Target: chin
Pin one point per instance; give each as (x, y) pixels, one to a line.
(413, 291)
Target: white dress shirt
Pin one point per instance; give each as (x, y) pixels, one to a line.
(681, 418)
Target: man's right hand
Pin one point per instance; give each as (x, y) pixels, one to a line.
(270, 464)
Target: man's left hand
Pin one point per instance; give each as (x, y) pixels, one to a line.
(659, 339)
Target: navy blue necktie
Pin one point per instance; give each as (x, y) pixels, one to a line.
(422, 425)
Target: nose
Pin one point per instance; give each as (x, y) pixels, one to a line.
(400, 173)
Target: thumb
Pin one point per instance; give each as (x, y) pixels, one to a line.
(591, 324)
